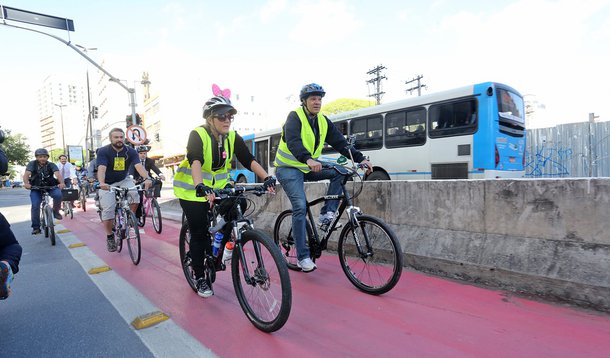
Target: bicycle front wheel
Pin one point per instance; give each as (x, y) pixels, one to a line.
(132, 234)
(43, 221)
(261, 281)
(156, 216)
(83, 200)
(50, 226)
(185, 256)
(370, 255)
(284, 239)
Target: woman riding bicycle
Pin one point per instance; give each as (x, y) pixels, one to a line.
(303, 136)
(209, 153)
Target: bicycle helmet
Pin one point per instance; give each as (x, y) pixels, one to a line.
(217, 105)
(311, 89)
(78, 163)
(41, 151)
(142, 148)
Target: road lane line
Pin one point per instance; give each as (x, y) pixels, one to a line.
(164, 339)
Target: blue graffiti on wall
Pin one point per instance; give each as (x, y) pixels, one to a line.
(548, 162)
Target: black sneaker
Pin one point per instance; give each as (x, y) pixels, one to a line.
(57, 215)
(110, 244)
(203, 289)
(35, 231)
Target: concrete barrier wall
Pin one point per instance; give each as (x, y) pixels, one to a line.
(541, 237)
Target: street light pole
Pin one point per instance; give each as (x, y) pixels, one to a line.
(89, 130)
(63, 136)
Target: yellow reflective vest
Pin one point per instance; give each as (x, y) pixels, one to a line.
(284, 158)
(184, 187)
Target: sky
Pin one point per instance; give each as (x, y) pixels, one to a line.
(557, 51)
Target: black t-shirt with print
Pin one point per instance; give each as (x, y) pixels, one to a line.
(42, 175)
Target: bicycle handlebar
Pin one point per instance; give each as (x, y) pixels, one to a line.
(33, 187)
(257, 190)
(348, 171)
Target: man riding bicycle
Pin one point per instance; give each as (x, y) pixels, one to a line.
(81, 178)
(206, 167)
(113, 162)
(41, 172)
(149, 164)
(303, 136)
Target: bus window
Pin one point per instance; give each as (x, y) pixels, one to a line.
(262, 154)
(451, 119)
(235, 164)
(368, 132)
(510, 111)
(342, 127)
(275, 142)
(405, 128)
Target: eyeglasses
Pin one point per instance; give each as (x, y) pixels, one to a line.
(224, 117)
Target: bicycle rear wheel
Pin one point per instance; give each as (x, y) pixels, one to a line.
(265, 295)
(377, 266)
(83, 200)
(156, 216)
(282, 236)
(132, 234)
(185, 256)
(50, 226)
(119, 231)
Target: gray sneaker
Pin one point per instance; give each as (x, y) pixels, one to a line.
(306, 265)
(203, 289)
(110, 244)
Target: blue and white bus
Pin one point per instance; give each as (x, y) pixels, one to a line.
(471, 132)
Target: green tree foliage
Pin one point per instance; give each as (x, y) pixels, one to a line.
(16, 148)
(345, 105)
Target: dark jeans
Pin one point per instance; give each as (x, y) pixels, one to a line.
(36, 199)
(292, 181)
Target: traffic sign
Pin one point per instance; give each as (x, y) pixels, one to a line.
(136, 134)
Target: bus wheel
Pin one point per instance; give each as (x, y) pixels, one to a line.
(377, 175)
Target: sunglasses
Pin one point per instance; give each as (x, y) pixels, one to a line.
(224, 117)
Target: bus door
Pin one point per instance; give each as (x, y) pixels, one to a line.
(451, 127)
(262, 154)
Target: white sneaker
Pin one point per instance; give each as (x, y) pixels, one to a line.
(306, 265)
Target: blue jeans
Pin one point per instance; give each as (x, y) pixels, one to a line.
(292, 180)
(36, 199)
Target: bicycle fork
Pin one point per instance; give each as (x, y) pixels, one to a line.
(352, 213)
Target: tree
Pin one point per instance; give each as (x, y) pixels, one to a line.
(17, 150)
(345, 105)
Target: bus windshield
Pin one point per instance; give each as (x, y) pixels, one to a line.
(510, 106)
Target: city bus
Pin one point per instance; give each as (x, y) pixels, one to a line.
(472, 132)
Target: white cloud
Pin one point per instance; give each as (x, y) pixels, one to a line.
(323, 22)
(271, 10)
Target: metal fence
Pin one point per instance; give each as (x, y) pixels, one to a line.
(568, 150)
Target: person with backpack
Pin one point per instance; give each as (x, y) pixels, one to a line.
(42, 172)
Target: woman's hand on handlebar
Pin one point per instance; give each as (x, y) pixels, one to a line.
(203, 190)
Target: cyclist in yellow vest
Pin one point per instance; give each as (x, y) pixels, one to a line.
(209, 153)
(303, 136)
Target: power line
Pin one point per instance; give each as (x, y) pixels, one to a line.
(418, 87)
(376, 81)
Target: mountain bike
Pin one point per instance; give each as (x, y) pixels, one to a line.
(126, 224)
(368, 249)
(82, 196)
(47, 222)
(151, 206)
(260, 277)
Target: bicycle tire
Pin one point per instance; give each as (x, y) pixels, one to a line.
(156, 216)
(70, 210)
(185, 256)
(142, 218)
(259, 300)
(282, 236)
(51, 225)
(119, 233)
(383, 267)
(43, 221)
(132, 235)
(83, 201)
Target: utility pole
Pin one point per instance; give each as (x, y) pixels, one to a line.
(418, 87)
(376, 81)
(63, 136)
(89, 127)
(592, 117)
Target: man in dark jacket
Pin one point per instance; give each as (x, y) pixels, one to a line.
(10, 250)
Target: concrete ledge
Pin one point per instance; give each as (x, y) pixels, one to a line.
(549, 238)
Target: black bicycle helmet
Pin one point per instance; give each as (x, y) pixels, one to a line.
(142, 148)
(311, 89)
(217, 105)
(41, 151)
